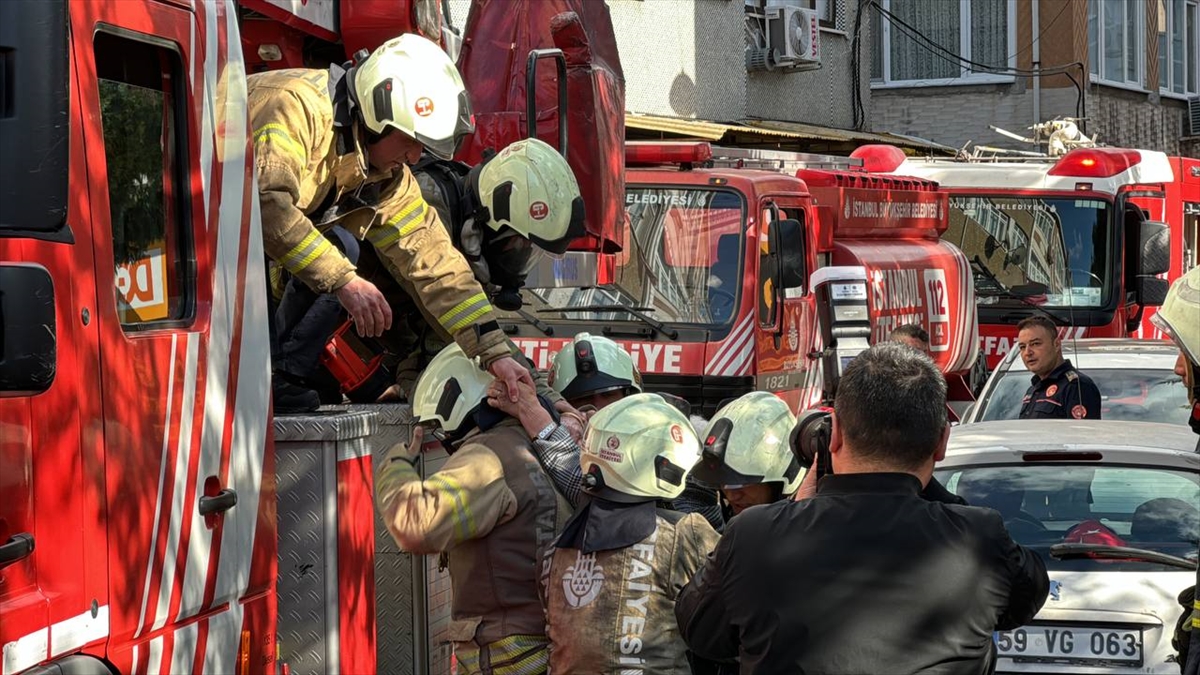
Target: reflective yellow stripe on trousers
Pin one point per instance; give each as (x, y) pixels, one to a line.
(513, 655)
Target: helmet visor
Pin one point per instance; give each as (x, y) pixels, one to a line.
(510, 258)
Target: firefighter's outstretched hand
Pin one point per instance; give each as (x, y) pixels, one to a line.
(511, 373)
(527, 409)
(366, 306)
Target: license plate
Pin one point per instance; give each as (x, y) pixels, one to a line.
(1074, 644)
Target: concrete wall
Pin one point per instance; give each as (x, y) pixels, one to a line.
(823, 97)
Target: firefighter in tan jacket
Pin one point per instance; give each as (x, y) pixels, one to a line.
(332, 148)
(491, 508)
(616, 570)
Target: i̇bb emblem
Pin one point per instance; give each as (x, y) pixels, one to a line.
(613, 442)
(1051, 390)
(1079, 412)
(538, 210)
(423, 106)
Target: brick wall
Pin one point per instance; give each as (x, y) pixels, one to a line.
(1135, 120)
(955, 115)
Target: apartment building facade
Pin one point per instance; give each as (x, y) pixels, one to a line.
(1131, 67)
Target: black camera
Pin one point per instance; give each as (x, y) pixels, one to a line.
(810, 440)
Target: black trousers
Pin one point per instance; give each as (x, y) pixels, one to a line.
(304, 320)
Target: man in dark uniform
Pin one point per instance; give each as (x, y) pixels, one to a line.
(1057, 390)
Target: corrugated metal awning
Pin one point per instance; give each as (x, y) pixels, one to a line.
(776, 132)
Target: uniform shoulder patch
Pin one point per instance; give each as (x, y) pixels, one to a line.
(1079, 412)
(1072, 376)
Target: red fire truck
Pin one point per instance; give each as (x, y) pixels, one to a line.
(1085, 237)
(711, 292)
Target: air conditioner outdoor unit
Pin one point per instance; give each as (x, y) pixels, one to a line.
(1194, 116)
(793, 36)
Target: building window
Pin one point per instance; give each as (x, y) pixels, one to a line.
(1115, 40)
(977, 30)
(827, 13)
(143, 117)
(1178, 59)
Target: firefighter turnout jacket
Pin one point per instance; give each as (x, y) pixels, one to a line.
(493, 510)
(311, 175)
(613, 611)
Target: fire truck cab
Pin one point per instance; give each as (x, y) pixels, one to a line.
(711, 292)
(1079, 238)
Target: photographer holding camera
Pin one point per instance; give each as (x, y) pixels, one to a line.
(867, 576)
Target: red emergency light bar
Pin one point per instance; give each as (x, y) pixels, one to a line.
(649, 153)
(1095, 162)
(879, 158)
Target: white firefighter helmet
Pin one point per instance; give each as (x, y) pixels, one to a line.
(638, 449)
(592, 364)
(410, 84)
(450, 391)
(530, 188)
(747, 442)
(1179, 316)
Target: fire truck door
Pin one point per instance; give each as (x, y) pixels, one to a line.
(144, 125)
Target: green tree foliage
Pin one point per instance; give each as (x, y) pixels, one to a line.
(133, 122)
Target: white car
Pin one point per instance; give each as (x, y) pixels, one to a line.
(1135, 379)
(1127, 494)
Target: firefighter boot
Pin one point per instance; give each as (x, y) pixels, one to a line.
(291, 398)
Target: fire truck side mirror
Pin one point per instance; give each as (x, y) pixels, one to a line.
(28, 331)
(34, 120)
(1154, 248)
(1152, 291)
(787, 238)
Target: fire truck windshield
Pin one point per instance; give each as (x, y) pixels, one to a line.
(1062, 243)
(680, 262)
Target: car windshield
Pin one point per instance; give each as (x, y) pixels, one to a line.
(1125, 394)
(1060, 242)
(1143, 507)
(679, 263)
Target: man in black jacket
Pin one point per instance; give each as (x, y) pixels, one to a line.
(867, 577)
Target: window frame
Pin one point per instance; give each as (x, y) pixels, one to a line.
(966, 76)
(180, 211)
(831, 7)
(1096, 60)
(1166, 62)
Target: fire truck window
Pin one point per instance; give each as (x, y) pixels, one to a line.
(145, 139)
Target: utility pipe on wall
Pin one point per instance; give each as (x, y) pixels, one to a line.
(1037, 61)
